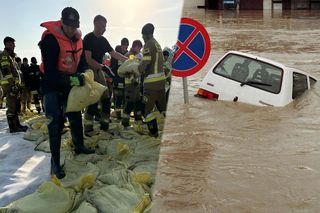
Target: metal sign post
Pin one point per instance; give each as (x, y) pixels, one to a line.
(185, 90)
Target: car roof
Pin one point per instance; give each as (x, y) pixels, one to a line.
(284, 67)
(258, 58)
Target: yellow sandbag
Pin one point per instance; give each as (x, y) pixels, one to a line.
(142, 177)
(130, 66)
(79, 175)
(112, 198)
(48, 198)
(81, 97)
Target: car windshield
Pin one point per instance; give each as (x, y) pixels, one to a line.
(250, 72)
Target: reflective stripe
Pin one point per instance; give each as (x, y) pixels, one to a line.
(146, 58)
(8, 76)
(155, 77)
(156, 64)
(34, 92)
(151, 116)
(4, 82)
(120, 86)
(150, 80)
(5, 63)
(127, 81)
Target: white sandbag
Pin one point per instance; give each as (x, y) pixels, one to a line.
(130, 66)
(81, 97)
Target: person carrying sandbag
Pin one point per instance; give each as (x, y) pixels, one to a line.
(61, 50)
(95, 45)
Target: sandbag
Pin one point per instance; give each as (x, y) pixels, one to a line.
(48, 198)
(86, 207)
(130, 66)
(81, 97)
(79, 175)
(111, 198)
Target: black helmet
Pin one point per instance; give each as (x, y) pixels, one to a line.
(147, 29)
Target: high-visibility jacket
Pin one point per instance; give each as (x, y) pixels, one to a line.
(152, 62)
(9, 70)
(70, 50)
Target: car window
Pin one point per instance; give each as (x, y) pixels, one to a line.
(312, 81)
(300, 84)
(250, 72)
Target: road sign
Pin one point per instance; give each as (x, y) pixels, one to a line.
(192, 48)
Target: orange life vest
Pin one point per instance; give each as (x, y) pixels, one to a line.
(70, 51)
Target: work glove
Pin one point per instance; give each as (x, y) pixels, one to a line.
(76, 80)
(108, 72)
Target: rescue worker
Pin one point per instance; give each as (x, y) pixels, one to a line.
(19, 64)
(118, 82)
(25, 85)
(133, 96)
(10, 84)
(154, 83)
(61, 50)
(167, 68)
(95, 46)
(34, 83)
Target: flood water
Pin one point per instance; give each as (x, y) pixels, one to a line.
(231, 157)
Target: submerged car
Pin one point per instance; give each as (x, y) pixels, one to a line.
(246, 78)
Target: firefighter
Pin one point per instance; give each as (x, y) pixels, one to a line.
(25, 85)
(154, 82)
(118, 82)
(61, 50)
(11, 84)
(132, 90)
(34, 83)
(167, 68)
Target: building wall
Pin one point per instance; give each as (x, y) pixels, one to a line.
(267, 4)
(261, 4)
(193, 3)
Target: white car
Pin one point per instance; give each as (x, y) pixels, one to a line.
(254, 80)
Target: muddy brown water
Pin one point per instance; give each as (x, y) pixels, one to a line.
(230, 157)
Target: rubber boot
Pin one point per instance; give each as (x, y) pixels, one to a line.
(76, 127)
(57, 170)
(88, 125)
(38, 110)
(153, 128)
(105, 114)
(13, 125)
(104, 124)
(18, 105)
(54, 128)
(104, 121)
(23, 128)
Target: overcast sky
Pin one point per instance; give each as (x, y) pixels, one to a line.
(21, 20)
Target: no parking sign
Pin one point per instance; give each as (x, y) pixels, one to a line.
(193, 51)
(193, 48)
